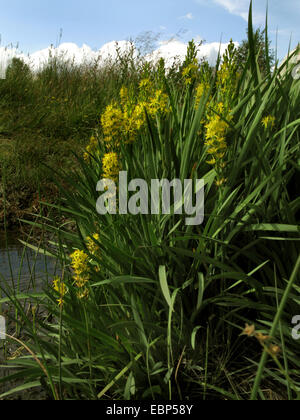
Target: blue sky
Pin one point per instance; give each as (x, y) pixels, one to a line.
(35, 24)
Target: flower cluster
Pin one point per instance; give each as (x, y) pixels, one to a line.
(157, 104)
(79, 263)
(219, 114)
(111, 166)
(201, 90)
(265, 340)
(145, 87)
(215, 138)
(190, 72)
(228, 76)
(60, 287)
(112, 121)
(268, 122)
(123, 122)
(92, 244)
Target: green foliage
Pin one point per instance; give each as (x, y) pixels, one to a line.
(265, 56)
(165, 304)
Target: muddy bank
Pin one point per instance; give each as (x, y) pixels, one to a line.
(24, 204)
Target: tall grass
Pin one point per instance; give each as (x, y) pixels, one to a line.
(166, 304)
(47, 115)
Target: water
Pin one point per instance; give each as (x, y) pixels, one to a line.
(22, 267)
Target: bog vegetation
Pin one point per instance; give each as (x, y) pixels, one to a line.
(146, 307)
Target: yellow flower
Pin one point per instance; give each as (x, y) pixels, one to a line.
(227, 76)
(274, 350)
(112, 121)
(60, 287)
(212, 150)
(220, 107)
(124, 95)
(189, 73)
(221, 182)
(224, 74)
(123, 121)
(268, 121)
(262, 337)
(134, 121)
(216, 128)
(79, 262)
(249, 330)
(215, 136)
(60, 302)
(212, 161)
(81, 280)
(83, 294)
(158, 104)
(80, 266)
(146, 85)
(92, 246)
(111, 166)
(201, 90)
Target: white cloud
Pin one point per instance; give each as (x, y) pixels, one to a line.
(240, 8)
(236, 7)
(174, 49)
(6, 55)
(169, 50)
(69, 52)
(188, 16)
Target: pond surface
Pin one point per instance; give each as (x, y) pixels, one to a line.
(22, 267)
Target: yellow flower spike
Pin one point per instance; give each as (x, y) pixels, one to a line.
(124, 95)
(79, 262)
(221, 182)
(111, 166)
(221, 156)
(83, 294)
(212, 161)
(190, 72)
(158, 104)
(212, 150)
(92, 246)
(60, 302)
(81, 270)
(249, 330)
(201, 90)
(274, 350)
(81, 280)
(220, 107)
(262, 337)
(60, 287)
(112, 121)
(268, 122)
(145, 85)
